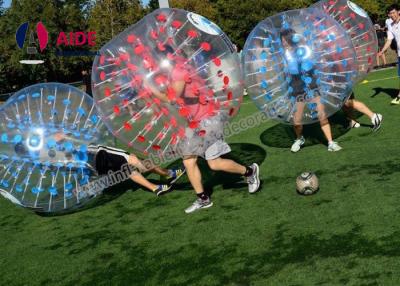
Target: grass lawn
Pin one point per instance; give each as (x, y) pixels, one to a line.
(348, 233)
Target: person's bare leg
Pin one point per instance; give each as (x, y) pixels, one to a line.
(326, 129)
(298, 130)
(361, 107)
(226, 165)
(399, 88)
(139, 179)
(160, 171)
(298, 126)
(384, 59)
(193, 173)
(377, 60)
(134, 161)
(323, 120)
(348, 110)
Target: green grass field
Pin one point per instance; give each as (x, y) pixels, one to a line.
(348, 233)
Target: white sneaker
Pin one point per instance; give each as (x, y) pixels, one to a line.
(297, 144)
(199, 204)
(376, 121)
(334, 147)
(354, 124)
(396, 100)
(254, 180)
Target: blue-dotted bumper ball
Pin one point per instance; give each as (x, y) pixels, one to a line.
(46, 131)
(299, 66)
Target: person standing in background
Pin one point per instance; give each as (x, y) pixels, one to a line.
(87, 82)
(393, 34)
(380, 32)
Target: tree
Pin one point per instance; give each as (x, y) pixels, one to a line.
(1, 7)
(108, 18)
(153, 5)
(376, 8)
(204, 7)
(237, 18)
(56, 16)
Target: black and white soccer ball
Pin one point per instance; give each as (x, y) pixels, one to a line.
(307, 184)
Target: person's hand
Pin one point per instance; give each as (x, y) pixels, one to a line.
(380, 54)
(59, 136)
(148, 86)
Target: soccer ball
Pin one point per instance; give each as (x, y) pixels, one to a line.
(307, 184)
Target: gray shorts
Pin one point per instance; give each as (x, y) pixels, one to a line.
(211, 145)
(216, 150)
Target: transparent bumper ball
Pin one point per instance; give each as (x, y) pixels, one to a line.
(164, 74)
(46, 131)
(357, 24)
(299, 66)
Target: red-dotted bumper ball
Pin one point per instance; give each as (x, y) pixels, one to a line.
(163, 76)
(299, 66)
(357, 24)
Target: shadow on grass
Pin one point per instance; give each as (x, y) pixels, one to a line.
(229, 263)
(107, 196)
(243, 153)
(388, 91)
(383, 171)
(282, 136)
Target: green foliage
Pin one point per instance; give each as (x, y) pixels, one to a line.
(237, 18)
(153, 5)
(1, 7)
(376, 8)
(204, 7)
(108, 18)
(57, 16)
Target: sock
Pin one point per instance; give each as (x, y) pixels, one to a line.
(203, 196)
(249, 172)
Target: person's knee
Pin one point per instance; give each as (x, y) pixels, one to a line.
(323, 121)
(133, 160)
(297, 119)
(349, 103)
(215, 164)
(189, 162)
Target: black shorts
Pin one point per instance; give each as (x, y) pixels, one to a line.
(109, 159)
(299, 86)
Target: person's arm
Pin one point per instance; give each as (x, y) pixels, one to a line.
(177, 86)
(387, 44)
(59, 136)
(385, 47)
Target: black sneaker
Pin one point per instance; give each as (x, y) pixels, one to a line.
(162, 189)
(176, 174)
